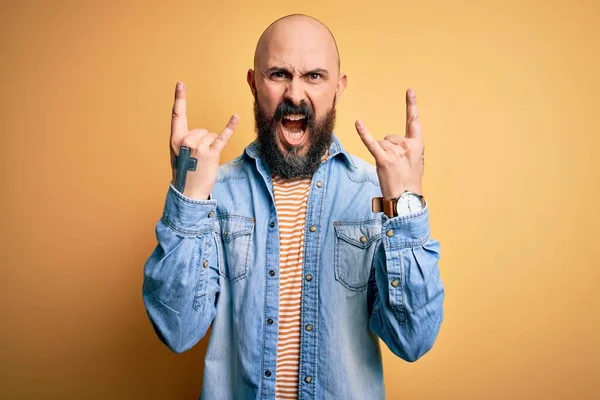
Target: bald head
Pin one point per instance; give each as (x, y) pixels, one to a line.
(294, 36)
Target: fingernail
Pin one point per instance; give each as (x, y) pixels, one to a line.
(179, 85)
(411, 92)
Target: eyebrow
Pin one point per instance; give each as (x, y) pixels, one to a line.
(321, 71)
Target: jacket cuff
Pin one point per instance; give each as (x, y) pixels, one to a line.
(188, 216)
(406, 230)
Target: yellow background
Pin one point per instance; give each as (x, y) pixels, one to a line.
(509, 100)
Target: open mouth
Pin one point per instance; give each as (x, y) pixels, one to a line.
(293, 129)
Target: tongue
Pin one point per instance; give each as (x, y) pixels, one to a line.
(293, 126)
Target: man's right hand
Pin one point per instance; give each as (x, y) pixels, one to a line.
(204, 146)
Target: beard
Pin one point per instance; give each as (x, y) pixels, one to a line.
(292, 163)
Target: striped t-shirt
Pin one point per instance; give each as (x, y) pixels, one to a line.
(290, 201)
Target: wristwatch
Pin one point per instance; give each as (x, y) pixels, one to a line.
(408, 202)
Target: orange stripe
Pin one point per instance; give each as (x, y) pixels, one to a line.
(290, 201)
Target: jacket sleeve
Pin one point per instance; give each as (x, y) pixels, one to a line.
(181, 283)
(407, 293)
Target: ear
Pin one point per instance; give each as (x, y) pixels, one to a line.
(251, 82)
(340, 86)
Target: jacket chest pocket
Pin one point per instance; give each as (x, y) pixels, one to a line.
(355, 245)
(235, 234)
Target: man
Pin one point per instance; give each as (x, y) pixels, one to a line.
(284, 251)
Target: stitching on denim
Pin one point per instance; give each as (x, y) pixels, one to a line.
(338, 274)
(181, 197)
(356, 242)
(198, 299)
(235, 216)
(199, 268)
(353, 242)
(245, 232)
(166, 306)
(397, 299)
(373, 265)
(365, 178)
(231, 177)
(402, 308)
(183, 231)
(406, 244)
(304, 337)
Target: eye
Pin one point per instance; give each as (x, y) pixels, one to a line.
(315, 76)
(277, 75)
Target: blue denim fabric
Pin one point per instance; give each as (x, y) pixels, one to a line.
(217, 264)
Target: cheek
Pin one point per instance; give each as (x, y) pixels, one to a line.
(269, 97)
(321, 97)
(323, 104)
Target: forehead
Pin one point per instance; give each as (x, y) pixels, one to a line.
(303, 57)
(301, 45)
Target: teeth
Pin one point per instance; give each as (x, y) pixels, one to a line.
(294, 135)
(294, 117)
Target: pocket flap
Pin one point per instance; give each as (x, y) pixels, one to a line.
(359, 234)
(232, 226)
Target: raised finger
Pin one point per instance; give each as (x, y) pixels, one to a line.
(179, 115)
(226, 134)
(413, 125)
(372, 145)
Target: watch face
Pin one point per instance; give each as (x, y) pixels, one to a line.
(408, 203)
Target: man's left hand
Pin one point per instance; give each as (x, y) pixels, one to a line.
(399, 160)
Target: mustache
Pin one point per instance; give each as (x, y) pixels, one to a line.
(286, 107)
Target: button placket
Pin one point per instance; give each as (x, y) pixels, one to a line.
(308, 338)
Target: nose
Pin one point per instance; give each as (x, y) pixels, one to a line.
(295, 91)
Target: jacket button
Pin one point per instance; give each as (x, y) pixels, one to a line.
(270, 321)
(308, 327)
(308, 379)
(390, 233)
(309, 277)
(205, 264)
(272, 273)
(395, 283)
(267, 373)
(363, 239)
(272, 225)
(211, 214)
(313, 228)
(319, 184)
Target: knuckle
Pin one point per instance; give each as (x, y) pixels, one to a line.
(188, 141)
(176, 112)
(413, 118)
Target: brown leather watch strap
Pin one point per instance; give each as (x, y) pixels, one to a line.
(379, 204)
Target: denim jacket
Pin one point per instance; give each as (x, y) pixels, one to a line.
(365, 277)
